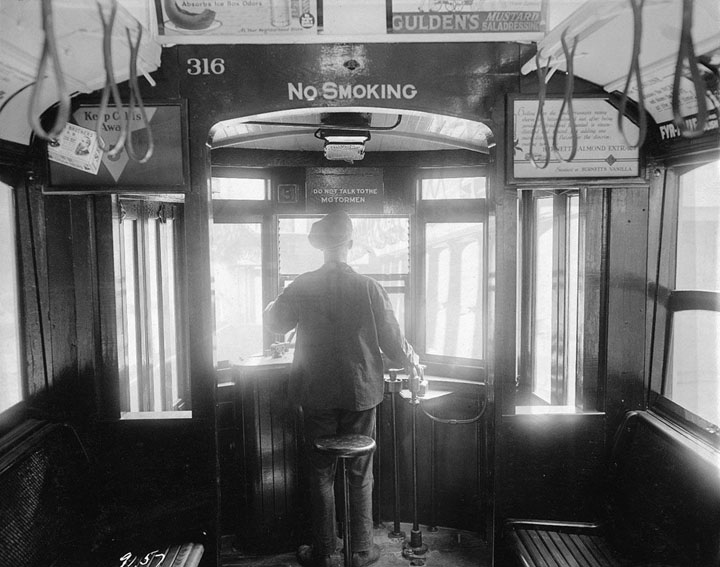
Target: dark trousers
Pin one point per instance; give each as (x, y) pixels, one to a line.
(321, 478)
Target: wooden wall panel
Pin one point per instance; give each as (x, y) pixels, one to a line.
(626, 306)
(551, 467)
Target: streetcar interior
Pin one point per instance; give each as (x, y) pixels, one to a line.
(539, 198)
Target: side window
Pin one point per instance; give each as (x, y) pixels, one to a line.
(152, 365)
(452, 226)
(11, 391)
(550, 299)
(690, 386)
(236, 253)
(239, 188)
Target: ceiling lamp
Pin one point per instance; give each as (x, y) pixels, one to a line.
(345, 145)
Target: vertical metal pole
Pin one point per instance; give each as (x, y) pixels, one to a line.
(433, 488)
(397, 533)
(415, 534)
(394, 385)
(347, 551)
(416, 547)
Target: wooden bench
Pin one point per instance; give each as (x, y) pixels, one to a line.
(662, 507)
(48, 509)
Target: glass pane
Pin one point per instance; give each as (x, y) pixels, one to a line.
(698, 241)
(542, 347)
(238, 188)
(454, 289)
(129, 287)
(453, 188)
(295, 255)
(11, 377)
(398, 303)
(172, 368)
(236, 254)
(694, 370)
(381, 245)
(571, 281)
(168, 362)
(155, 308)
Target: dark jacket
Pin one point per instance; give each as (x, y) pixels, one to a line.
(344, 320)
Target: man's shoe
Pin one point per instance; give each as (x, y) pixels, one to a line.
(307, 558)
(363, 558)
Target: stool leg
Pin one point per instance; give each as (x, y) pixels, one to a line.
(347, 553)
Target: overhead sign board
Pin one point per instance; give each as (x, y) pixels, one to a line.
(193, 21)
(451, 17)
(77, 165)
(356, 189)
(338, 21)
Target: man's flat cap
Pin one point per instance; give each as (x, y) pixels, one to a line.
(331, 231)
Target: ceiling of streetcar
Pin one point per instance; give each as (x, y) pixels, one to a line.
(390, 130)
(604, 56)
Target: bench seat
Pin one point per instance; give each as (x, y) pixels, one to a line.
(547, 544)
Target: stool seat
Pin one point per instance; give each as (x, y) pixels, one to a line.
(345, 446)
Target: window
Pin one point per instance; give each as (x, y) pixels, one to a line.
(434, 268)
(440, 188)
(451, 218)
(153, 369)
(239, 189)
(550, 298)
(11, 376)
(381, 249)
(454, 289)
(691, 377)
(236, 252)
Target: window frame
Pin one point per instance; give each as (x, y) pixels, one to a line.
(258, 215)
(433, 211)
(669, 300)
(419, 212)
(140, 210)
(590, 297)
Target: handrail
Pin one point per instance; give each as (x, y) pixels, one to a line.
(539, 116)
(567, 100)
(49, 51)
(136, 98)
(686, 50)
(637, 7)
(110, 87)
(452, 421)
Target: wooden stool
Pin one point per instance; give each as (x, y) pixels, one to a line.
(345, 447)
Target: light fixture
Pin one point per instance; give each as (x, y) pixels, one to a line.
(345, 145)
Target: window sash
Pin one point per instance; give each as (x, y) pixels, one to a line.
(551, 299)
(671, 304)
(153, 374)
(459, 211)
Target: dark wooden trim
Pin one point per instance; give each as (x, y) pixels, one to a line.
(31, 235)
(14, 160)
(106, 235)
(85, 276)
(592, 285)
